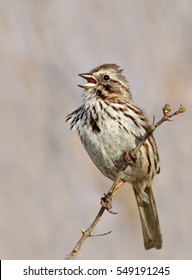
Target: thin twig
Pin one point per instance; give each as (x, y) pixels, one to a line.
(101, 234)
(120, 179)
(86, 233)
(151, 128)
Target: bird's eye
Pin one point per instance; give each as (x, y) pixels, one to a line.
(106, 77)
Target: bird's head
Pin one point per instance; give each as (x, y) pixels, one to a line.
(106, 81)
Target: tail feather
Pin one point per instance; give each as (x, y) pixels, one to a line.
(149, 220)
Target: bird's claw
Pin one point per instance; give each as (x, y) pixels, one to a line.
(129, 157)
(106, 203)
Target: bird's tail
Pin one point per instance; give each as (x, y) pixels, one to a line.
(149, 219)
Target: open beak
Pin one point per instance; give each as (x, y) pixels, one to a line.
(91, 80)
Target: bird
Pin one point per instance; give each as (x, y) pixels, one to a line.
(109, 124)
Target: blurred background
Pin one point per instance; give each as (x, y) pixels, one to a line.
(49, 188)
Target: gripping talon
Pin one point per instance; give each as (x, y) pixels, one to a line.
(128, 157)
(106, 203)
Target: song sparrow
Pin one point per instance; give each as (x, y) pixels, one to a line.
(109, 123)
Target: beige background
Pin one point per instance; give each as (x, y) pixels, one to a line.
(49, 188)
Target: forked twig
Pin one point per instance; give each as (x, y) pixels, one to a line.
(167, 115)
(151, 128)
(87, 233)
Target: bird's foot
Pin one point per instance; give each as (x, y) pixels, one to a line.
(129, 157)
(106, 202)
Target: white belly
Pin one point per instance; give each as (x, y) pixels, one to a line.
(106, 148)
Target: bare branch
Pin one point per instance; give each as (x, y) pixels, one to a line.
(151, 128)
(87, 233)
